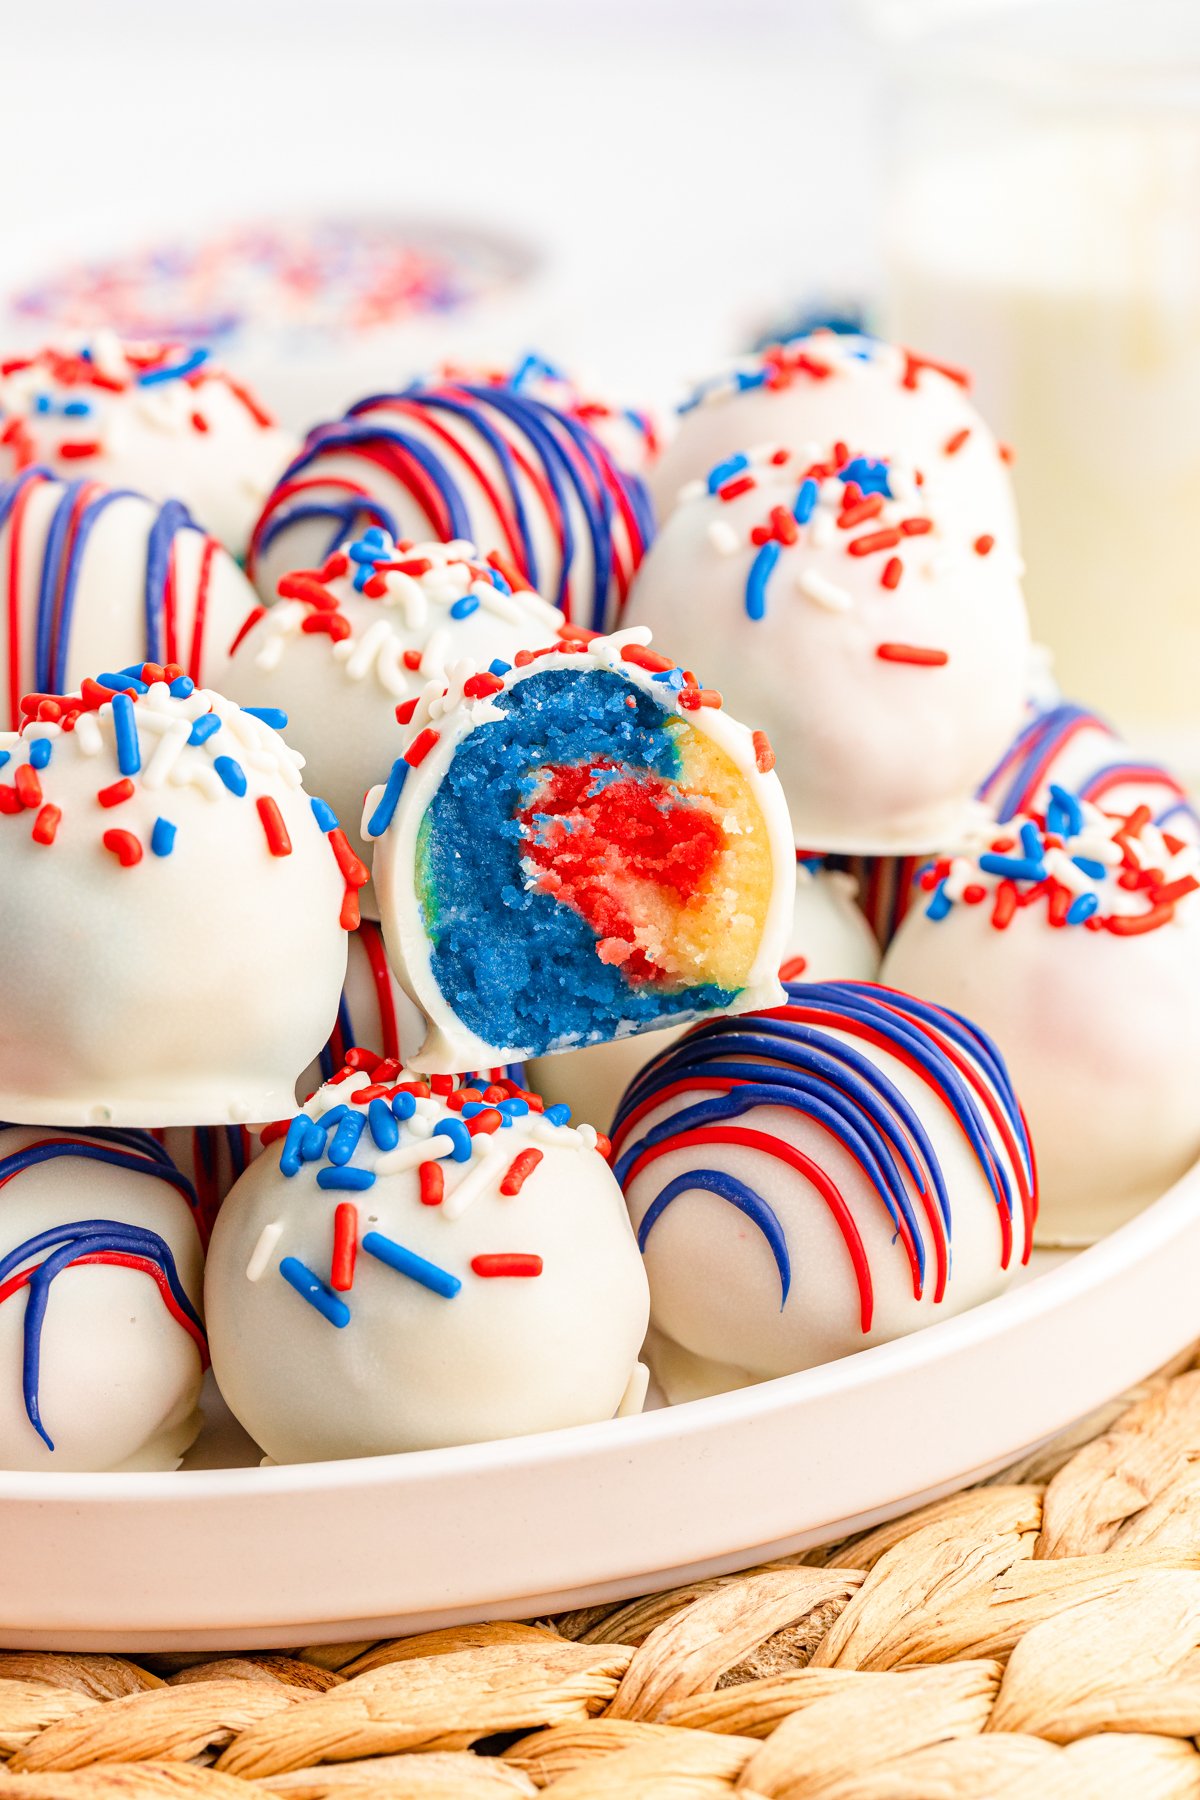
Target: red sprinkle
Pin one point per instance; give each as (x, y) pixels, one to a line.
(764, 756)
(916, 654)
(278, 841)
(518, 1172)
(199, 422)
(441, 1085)
(955, 442)
(506, 1262)
(650, 660)
(405, 711)
(354, 871)
(350, 917)
(984, 543)
(345, 1247)
(421, 745)
(77, 452)
(893, 571)
(412, 659)
(732, 489)
(331, 624)
(869, 508)
(478, 687)
(433, 1183)
(9, 802)
(871, 541)
(485, 1123)
(116, 793)
(302, 584)
(46, 825)
(793, 968)
(124, 846)
(29, 788)
(916, 527)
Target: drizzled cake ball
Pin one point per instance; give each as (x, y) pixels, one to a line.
(174, 905)
(102, 1346)
(1073, 937)
(92, 577)
(830, 941)
(881, 647)
(210, 1157)
(348, 644)
(827, 1176)
(582, 846)
(374, 1014)
(161, 418)
(831, 387)
(455, 458)
(400, 1270)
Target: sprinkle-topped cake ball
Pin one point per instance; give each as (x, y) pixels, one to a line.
(832, 387)
(812, 1180)
(576, 848)
(1073, 937)
(455, 458)
(102, 1346)
(401, 1270)
(882, 648)
(160, 418)
(174, 904)
(345, 645)
(92, 576)
(830, 941)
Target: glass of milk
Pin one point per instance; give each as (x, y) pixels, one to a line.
(1044, 229)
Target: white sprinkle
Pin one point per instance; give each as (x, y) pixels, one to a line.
(475, 1178)
(433, 656)
(411, 1156)
(363, 653)
(818, 587)
(88, 734)
(166, 755)
(260, 1256)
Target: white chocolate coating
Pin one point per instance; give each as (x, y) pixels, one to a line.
(450, 1046)
(876, 754)
(829, 935)
(717, 1313)
(340, 695)
(211, 596)
(1101, 1033)
(412, 1368)
(863, 402)
(201, 438)
(119, 1379)
(187, 988)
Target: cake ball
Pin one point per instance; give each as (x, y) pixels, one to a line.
(1073, 937)
(830, 387)
(102, 1346)
(452, 457)
(401, 1270)
(810, 1181)
(347, 643)
(882, 648)
(579, 847)
(92, 577)
(162, 418)
(175, 908)
(830, 941)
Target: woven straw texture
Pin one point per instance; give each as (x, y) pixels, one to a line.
(1035, 1638)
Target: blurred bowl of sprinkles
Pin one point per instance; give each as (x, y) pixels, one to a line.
(310, 308)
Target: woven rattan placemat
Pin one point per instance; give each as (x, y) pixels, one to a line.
(1038, 1636)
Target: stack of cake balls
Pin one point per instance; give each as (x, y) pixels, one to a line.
(502, 900)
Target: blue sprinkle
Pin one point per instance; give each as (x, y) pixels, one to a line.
(1064, 815)
(324, 814)
(558, 1115)
(231, 773)
(407, 1262)
(355, 1180)
(273, 716)
(462, 609)
(1096, 870)
(129, 753)
(76, 409)
(42, 404)
(498, 581)
(118, 682)
(869, 475)
(312, 1144)
(514, 1108)
(498, 666)
(289, 1160)
(1082, 909)
(940, 903)
(206, 726)
(345, 1139)
(806, 501)
(459, 1136)
(332, 1119)
(182, 688)
(382, 1120)
(404, 1105)
(310, 1287)
(4, 756)
(40, 752)
(1031, 841)
(162, 838)
(1014, 867)
(174, 372)
(725, 471)
(761, 570)
(363, 552)
(381, 818)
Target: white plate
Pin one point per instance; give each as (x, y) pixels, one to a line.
(245, 1557)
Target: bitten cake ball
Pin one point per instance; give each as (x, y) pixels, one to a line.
(175, 908)
(160, 418)
(400, 1271)
(830, 941)
(830, 1175)
(577, 848)
(92, 578)
(883, 649)
(452, 457)
(102, 1346)
(348, 643)
(1073, 937)
(833, 387)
